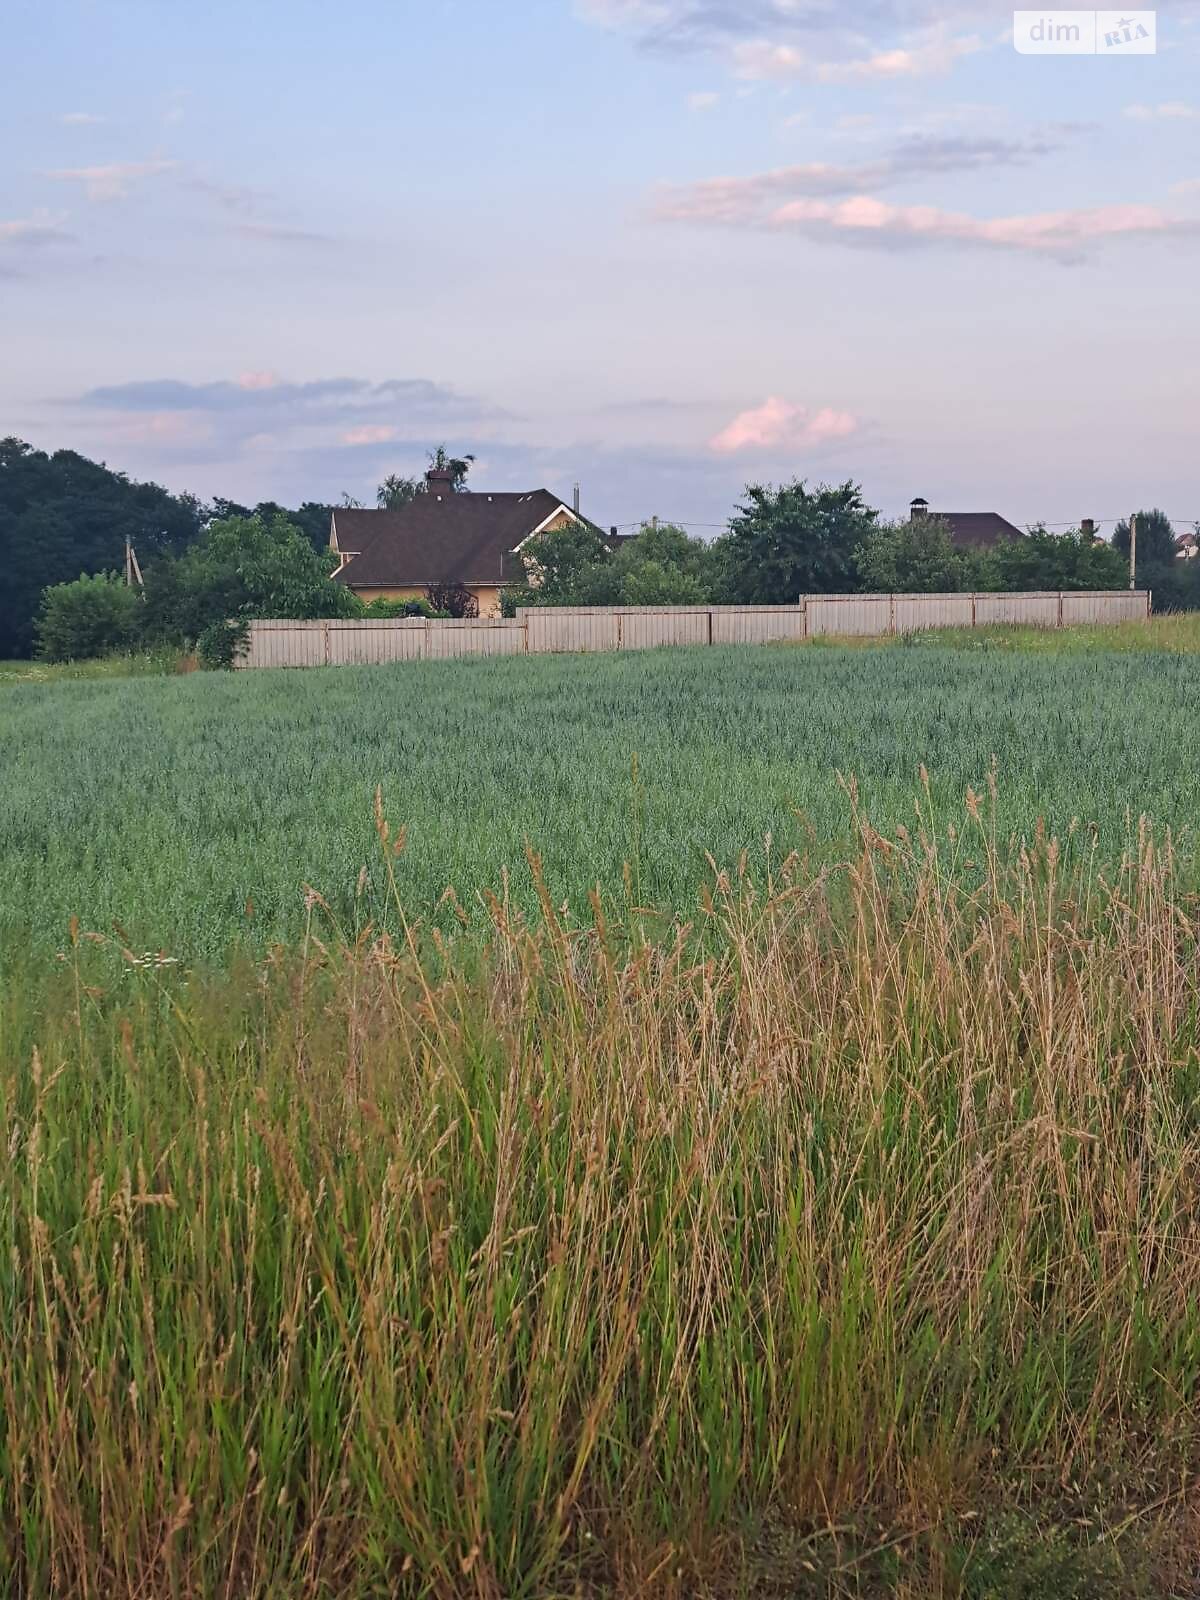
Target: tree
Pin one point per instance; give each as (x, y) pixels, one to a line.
(791, 541)
(916, 557)
(241, 568)
(1156, 541)
(395, 492)
(1044, 560)
(93, 616)
(62, 515)
(569, 567)
(457, 466)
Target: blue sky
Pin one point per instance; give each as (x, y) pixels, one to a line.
(659, 247)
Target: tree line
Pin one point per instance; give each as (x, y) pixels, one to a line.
(792, 540)
(211, 568)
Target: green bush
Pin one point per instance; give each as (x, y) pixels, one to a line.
(90, 617)
(387, 610)
(241, 568)
(219, 645)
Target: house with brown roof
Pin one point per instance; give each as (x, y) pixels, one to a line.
(969, 530)
(443, 539)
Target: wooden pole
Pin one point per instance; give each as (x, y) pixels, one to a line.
(1133, 522)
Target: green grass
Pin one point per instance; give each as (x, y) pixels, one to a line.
(815, 1255)
(193, 811)
(147, 663)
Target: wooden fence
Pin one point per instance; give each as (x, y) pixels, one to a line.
(547, 630)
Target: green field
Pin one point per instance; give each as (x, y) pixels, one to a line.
(193, 811)
(842, 1245)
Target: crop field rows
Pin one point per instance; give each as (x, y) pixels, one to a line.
(196, 811)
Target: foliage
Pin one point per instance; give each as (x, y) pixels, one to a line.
(857, 1220)
(220, 643)
(451, 600)
(570, 566)
(1156, 542)
(241, 568)
(385, 610)
(576, 566)
(915, 557)
(61, 515)
(794, 540)
(1175, 588)
(396, 491)
(1044, 560)
(94, 616)
(732, 745)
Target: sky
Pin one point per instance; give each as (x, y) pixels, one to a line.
(659, 248)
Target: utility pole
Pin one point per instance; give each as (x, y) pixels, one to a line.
(1133, 522)
(133, 572)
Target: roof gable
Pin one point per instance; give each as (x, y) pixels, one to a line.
(977, 530)
(456, 538)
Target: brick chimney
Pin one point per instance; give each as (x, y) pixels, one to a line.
(439, 481)
(918, 509)
(1088, 528)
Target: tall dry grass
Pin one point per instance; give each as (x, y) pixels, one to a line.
(754, 1254)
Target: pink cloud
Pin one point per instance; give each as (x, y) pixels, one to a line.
(255, 381)
(369, 433)
(779, 423)
(931, 56)
(114, 181)
(1058, 233)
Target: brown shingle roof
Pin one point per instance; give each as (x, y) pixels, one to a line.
(977, 530)
(461, 538)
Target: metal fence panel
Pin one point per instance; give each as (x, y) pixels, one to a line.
(474, 636)
(856, 614)
(369, 644)
(758, 624)
(912, 612)
(1032, 610)
(649, 628)
(552, 631)
(1105, 606)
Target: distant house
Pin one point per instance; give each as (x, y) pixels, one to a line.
(969, 530)
(1187, 547)
(442, 539)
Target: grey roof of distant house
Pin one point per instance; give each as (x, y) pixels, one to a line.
(459, 538)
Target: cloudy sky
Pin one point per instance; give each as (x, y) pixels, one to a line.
(659, 247)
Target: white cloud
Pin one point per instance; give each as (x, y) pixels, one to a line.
(1168, 110)
(114, 181)
(927, 57)
(36, 230)
(82, 119)
(778, 424)
(703, 100)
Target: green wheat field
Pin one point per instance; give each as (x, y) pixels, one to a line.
(532, 1129)
(195, 811)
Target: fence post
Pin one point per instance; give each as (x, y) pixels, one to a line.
(710, 627)
(325, 643)
(891, 613)
(1060, 608)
